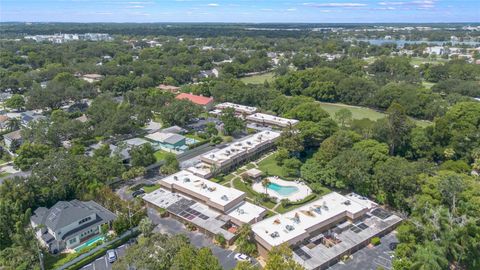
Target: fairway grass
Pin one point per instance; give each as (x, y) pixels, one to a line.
(357, 112)
(258, 79)
(362, 112)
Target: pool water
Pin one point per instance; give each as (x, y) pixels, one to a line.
(90, 242)
(282, 190)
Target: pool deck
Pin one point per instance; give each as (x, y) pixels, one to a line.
(303, 189)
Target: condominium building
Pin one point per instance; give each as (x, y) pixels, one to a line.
(212, 208)
(240, 109)
(271, 120)
(216, 196)
(323, 231)
(240, 151)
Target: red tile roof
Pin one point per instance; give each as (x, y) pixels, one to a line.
(200, 100)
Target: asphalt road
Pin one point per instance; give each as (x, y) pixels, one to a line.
(172, 226)
(102, 262)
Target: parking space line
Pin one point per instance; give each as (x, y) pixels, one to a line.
(106, 264)
(231, 252)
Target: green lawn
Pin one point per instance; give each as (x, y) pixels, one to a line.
(357, 112)
(420, 60)
(240, 185)
(269, 167)
(160, 155)
(259, 79)
(149, 189)
(194, 136)
(362, 112)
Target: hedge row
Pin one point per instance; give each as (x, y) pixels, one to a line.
(99, 253)
(302, 201)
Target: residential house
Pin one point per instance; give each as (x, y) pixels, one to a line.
(168, 141)
(4, 122)
(69, 224)
(92, 78)
(169, 88)
(205, 102)
(12, 138)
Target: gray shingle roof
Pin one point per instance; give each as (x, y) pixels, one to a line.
(64, 213)
(174, 138)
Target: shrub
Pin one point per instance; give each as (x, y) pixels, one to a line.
(375, 241)
(220, 239)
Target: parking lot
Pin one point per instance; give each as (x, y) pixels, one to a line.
(371, 258)
(172, 226)
(102, 263)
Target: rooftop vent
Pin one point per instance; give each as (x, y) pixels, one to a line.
(224, 197)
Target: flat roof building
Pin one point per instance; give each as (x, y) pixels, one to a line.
(321, 225)
(240, 151)
(271, 120)
(216, 196)
(241, 109)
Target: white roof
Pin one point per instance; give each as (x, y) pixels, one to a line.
(271, 119)
(241, 147)
(201, 169)
(246, 212)
(165, 137)
(237, 107)
(216, 193)
(308, 218)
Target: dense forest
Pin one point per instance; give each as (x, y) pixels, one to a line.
(429, 174)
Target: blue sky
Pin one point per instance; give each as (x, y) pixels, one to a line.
(329, 11)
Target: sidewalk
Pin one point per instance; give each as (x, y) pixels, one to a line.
(83, 256)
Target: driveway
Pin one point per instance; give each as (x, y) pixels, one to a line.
(102, 263)
(371, 258)
(199, 240)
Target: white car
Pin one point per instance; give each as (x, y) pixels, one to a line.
(111, 256)
(242, 257)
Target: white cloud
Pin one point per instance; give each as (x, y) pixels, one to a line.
(421, 4)
(213, 5)
(335, 4)
(136, 6)
(291, 9)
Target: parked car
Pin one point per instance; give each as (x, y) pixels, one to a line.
(111, 256)
(138, 193)
(242, 257)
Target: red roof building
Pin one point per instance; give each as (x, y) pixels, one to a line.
(206, 102)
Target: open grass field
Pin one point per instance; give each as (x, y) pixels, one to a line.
(149, 189)
(269, 167)
(357, 112)
(420, 60)
(258, 79)
(362, 112)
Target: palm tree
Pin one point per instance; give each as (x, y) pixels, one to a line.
(13, 124)
(429, 257)
(265, 183)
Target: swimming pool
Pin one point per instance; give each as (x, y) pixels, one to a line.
(90, 242)
(282, 190)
